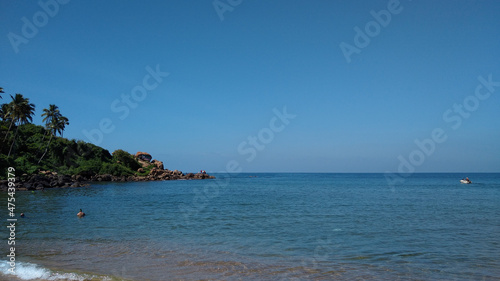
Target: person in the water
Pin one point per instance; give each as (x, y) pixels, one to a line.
(81, 214)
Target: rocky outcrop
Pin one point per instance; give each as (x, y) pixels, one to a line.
(44, 179)
(144, 159)
(157, 174)
(143, 163)
(143, 156)
(158, 164)
(47, 179)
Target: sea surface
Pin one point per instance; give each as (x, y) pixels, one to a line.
(261, 227)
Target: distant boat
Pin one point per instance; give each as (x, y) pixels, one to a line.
(466, 181)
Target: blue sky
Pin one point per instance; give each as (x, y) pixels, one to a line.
(230, 70)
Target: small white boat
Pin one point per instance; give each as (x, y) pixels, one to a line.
(465, 181)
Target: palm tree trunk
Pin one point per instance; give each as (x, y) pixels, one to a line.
(43, 139)
(11, 122)
(47, 148)
(13, 141)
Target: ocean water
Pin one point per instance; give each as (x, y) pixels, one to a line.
(261, 227)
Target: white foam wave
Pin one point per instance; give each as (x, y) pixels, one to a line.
(29, 271)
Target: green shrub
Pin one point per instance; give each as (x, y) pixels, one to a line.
(25, 165)
(5, 163)
(115, 170)
(126, 159)
(89, 168)
(147, 170)
(63, 156)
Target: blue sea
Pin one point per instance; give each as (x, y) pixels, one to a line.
(261, 227)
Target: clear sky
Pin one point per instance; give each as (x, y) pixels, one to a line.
(364, 81)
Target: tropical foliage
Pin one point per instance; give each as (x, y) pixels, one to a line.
(31, 148)
(20, 111)
(54, 124)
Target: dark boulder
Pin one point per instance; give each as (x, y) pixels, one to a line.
(104, 178)
(63, 180)
(28, 186)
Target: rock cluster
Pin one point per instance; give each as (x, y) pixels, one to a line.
(48, 179)
(143, 156)
(44, 179)
(158, 164)
(154, 175)
(158, 172)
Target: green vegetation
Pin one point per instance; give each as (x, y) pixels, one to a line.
(125, 159)
(146, 170)
(31, 148)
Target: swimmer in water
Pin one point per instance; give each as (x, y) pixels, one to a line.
(81, 214)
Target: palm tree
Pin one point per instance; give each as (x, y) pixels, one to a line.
(57, 125)
(4, 112)
(49, 115)
(4, 116)
(21, 111)
(61, 123)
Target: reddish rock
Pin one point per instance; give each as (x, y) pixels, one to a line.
(158, 164)
(144, 156)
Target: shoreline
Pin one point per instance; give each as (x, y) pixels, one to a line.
(48, 179)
